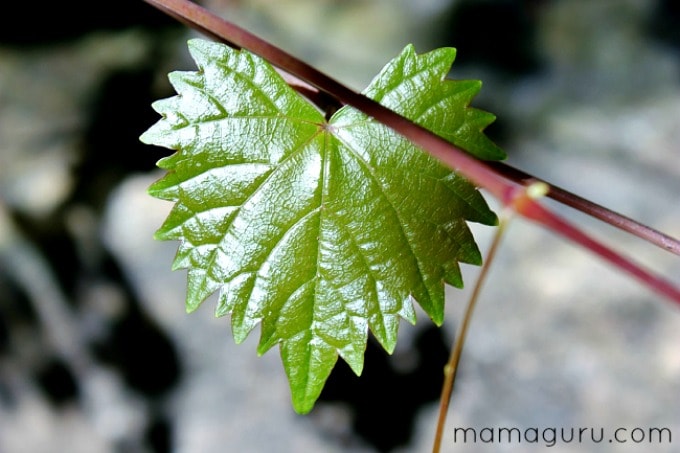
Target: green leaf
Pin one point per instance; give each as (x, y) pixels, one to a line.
(317, 230)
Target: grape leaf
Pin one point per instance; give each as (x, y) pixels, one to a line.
(317, 230)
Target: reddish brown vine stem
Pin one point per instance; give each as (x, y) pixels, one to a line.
(221, 30)
(499, 183)
(594, 210)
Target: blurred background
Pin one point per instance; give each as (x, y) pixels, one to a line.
(97, 353)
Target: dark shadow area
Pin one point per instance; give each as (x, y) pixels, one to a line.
(386, 400)
(158, 434)
(499, 34)
(58, 382)
(111, 149)
(665, 24)
(53, 22)
(137, 347)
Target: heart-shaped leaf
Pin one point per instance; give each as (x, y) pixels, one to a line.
(317, 230)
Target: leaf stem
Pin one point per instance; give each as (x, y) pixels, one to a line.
(451, 368)
(482, 174)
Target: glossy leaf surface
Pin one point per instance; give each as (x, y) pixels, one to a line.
(317, 230)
